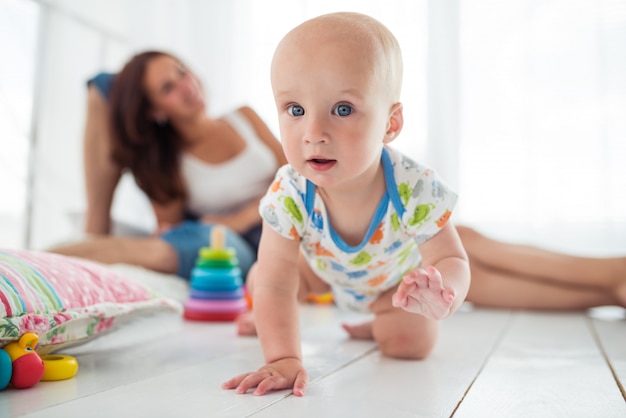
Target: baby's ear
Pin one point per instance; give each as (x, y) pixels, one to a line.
(394, 123)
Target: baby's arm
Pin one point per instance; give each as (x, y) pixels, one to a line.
(274, 292)
(438, 289)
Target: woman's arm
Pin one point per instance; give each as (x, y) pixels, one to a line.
(102, 174)
(265, 134)
(168, 215)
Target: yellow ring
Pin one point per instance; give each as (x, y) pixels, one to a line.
(58, 367)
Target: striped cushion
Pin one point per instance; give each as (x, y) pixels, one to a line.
(65, 300)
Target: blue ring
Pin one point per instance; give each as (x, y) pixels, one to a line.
(6, 369)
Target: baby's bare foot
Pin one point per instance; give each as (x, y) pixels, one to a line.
(421, 291)
(359, 331)
(245, 325)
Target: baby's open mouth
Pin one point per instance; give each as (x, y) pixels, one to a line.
(321, 164)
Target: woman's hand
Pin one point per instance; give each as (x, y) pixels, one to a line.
(240, 221)
(281, 374)
(232, 222)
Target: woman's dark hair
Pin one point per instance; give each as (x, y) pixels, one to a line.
(149, 149)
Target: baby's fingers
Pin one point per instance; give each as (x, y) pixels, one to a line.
(400, 298)
(415, 275)
(235, 381)
(281, 382)
(300, 384)
(448, 295)
(242, 383)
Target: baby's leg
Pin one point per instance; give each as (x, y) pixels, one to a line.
(245, 322)
(399, 333)
(402, 334)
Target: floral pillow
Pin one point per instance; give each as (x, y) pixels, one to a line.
(65, 300)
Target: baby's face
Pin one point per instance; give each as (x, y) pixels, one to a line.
(333, 112)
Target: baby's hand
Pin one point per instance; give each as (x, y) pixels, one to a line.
(421, 291)
(281, 374)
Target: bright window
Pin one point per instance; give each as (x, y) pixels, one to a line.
(543, 132)
(18, 33)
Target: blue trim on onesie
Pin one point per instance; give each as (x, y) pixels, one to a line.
(377, 218)
(309, 197)
(392, 187)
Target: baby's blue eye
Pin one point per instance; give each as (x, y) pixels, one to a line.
(343, 110)
(295, 110)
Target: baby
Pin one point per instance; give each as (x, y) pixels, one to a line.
(349, 213)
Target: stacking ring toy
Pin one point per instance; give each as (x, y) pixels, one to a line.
(58, 367)
(216, 283)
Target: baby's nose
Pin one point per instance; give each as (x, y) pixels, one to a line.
(315, 130)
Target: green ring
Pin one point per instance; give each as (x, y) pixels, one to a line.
(219, 264)
(208, 253)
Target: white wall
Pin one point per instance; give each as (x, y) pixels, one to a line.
(18, 40)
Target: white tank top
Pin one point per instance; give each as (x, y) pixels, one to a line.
(228, 186)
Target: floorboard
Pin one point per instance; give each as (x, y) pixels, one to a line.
(609, 326)
(487, 363)
(547, 365)
(375, 386)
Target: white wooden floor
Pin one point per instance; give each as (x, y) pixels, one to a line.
(486, 364)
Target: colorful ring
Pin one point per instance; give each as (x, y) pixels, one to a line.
(58, 367)
(211, 316)
(223, 295)
(219, 306)
(219, 264)
(208, 253)
(6, 369)
(216, 280)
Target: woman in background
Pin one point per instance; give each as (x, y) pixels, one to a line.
(196, 170)
(154, 125)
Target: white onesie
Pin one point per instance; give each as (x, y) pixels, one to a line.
(415, 207)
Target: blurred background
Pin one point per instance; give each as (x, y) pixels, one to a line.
(520, 105)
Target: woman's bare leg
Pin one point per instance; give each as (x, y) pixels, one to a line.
(510, 275)
(498, 289)
(152, 252)
(101, 173)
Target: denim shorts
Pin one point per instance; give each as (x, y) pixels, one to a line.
(190, 236)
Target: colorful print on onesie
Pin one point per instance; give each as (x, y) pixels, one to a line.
(416, 206)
